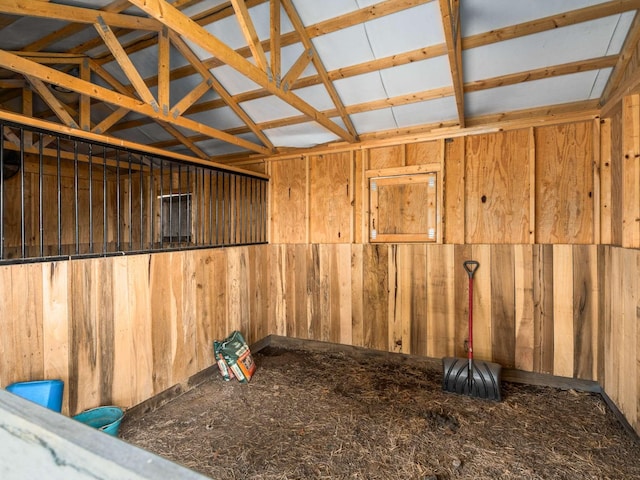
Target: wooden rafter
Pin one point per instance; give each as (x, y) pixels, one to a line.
(27, 67)
(184, 140)
(274, 41)
(164, 70)
(56, 106)
(212, 81)
(450, 11)
(550, 23)
(250, 35)
(127, 66)
(73, 28)
(38, 8)
(111, 120)
(296, 21)
(628, 49)
(190, 30)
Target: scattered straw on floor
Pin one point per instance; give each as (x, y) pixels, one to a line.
(336, 416)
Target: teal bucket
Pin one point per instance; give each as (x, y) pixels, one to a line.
(106, 419)
(47, 393)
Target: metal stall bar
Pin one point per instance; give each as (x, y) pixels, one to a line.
(2, 192)
(90, 198)
(22, 190)
(40, 195)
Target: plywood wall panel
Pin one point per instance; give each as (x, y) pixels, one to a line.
(564, 183)
(386, 157)
(425, 152)
(330, 193)
(631, 171)
(288, 190)
(497, 187)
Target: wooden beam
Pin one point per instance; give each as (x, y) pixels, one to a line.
(296, 21)
(190, 30)
(192, 58)
(56, 11)
(540, 73)
(550, 23)
(450, 11)
(84, 114)
(71, 29)
(55, 104)
(250, 35)
(46, 74)
(276, 58)
(190, 98)
(127, 66)
(117, 142)
(184, 140)
(627, 52)
(111, 119)
(164, 70)
(297, 68)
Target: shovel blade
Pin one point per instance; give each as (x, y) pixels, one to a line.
(483, 383)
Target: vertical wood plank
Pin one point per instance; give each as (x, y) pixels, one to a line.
(279, 266)
(617, 163)
(543, 313)
(482, 305)
(302, 312)
(163, 309)
(563, 328)
(524, 321)
(84, 378)
(55, 323)
(398, 304)
(124, 378)
(596, 167)
(324, 295)
(454, 197)
(605, 181)
(629, 366)
(205, 293)
(585, 310)
(344, 310)
(503, 328)
(357, 295)
(314, 325)
(631, 171)
(462, 253)
(440, 299)
(415, 327)
(141, 347)
(376, 291)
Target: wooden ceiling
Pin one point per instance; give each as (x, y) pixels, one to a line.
(156, 72)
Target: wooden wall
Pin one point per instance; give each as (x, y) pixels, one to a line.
(119, 330)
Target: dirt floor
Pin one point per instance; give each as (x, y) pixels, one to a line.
(336, 415)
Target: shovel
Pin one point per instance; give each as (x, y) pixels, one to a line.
(464, 375)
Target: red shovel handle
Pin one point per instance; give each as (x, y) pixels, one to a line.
(471, 266)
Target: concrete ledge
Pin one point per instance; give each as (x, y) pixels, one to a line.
(37, 443)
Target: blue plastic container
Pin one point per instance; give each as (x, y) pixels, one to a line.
(47, 393)
(106, 419)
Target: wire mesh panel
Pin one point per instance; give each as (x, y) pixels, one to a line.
(67, 197)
